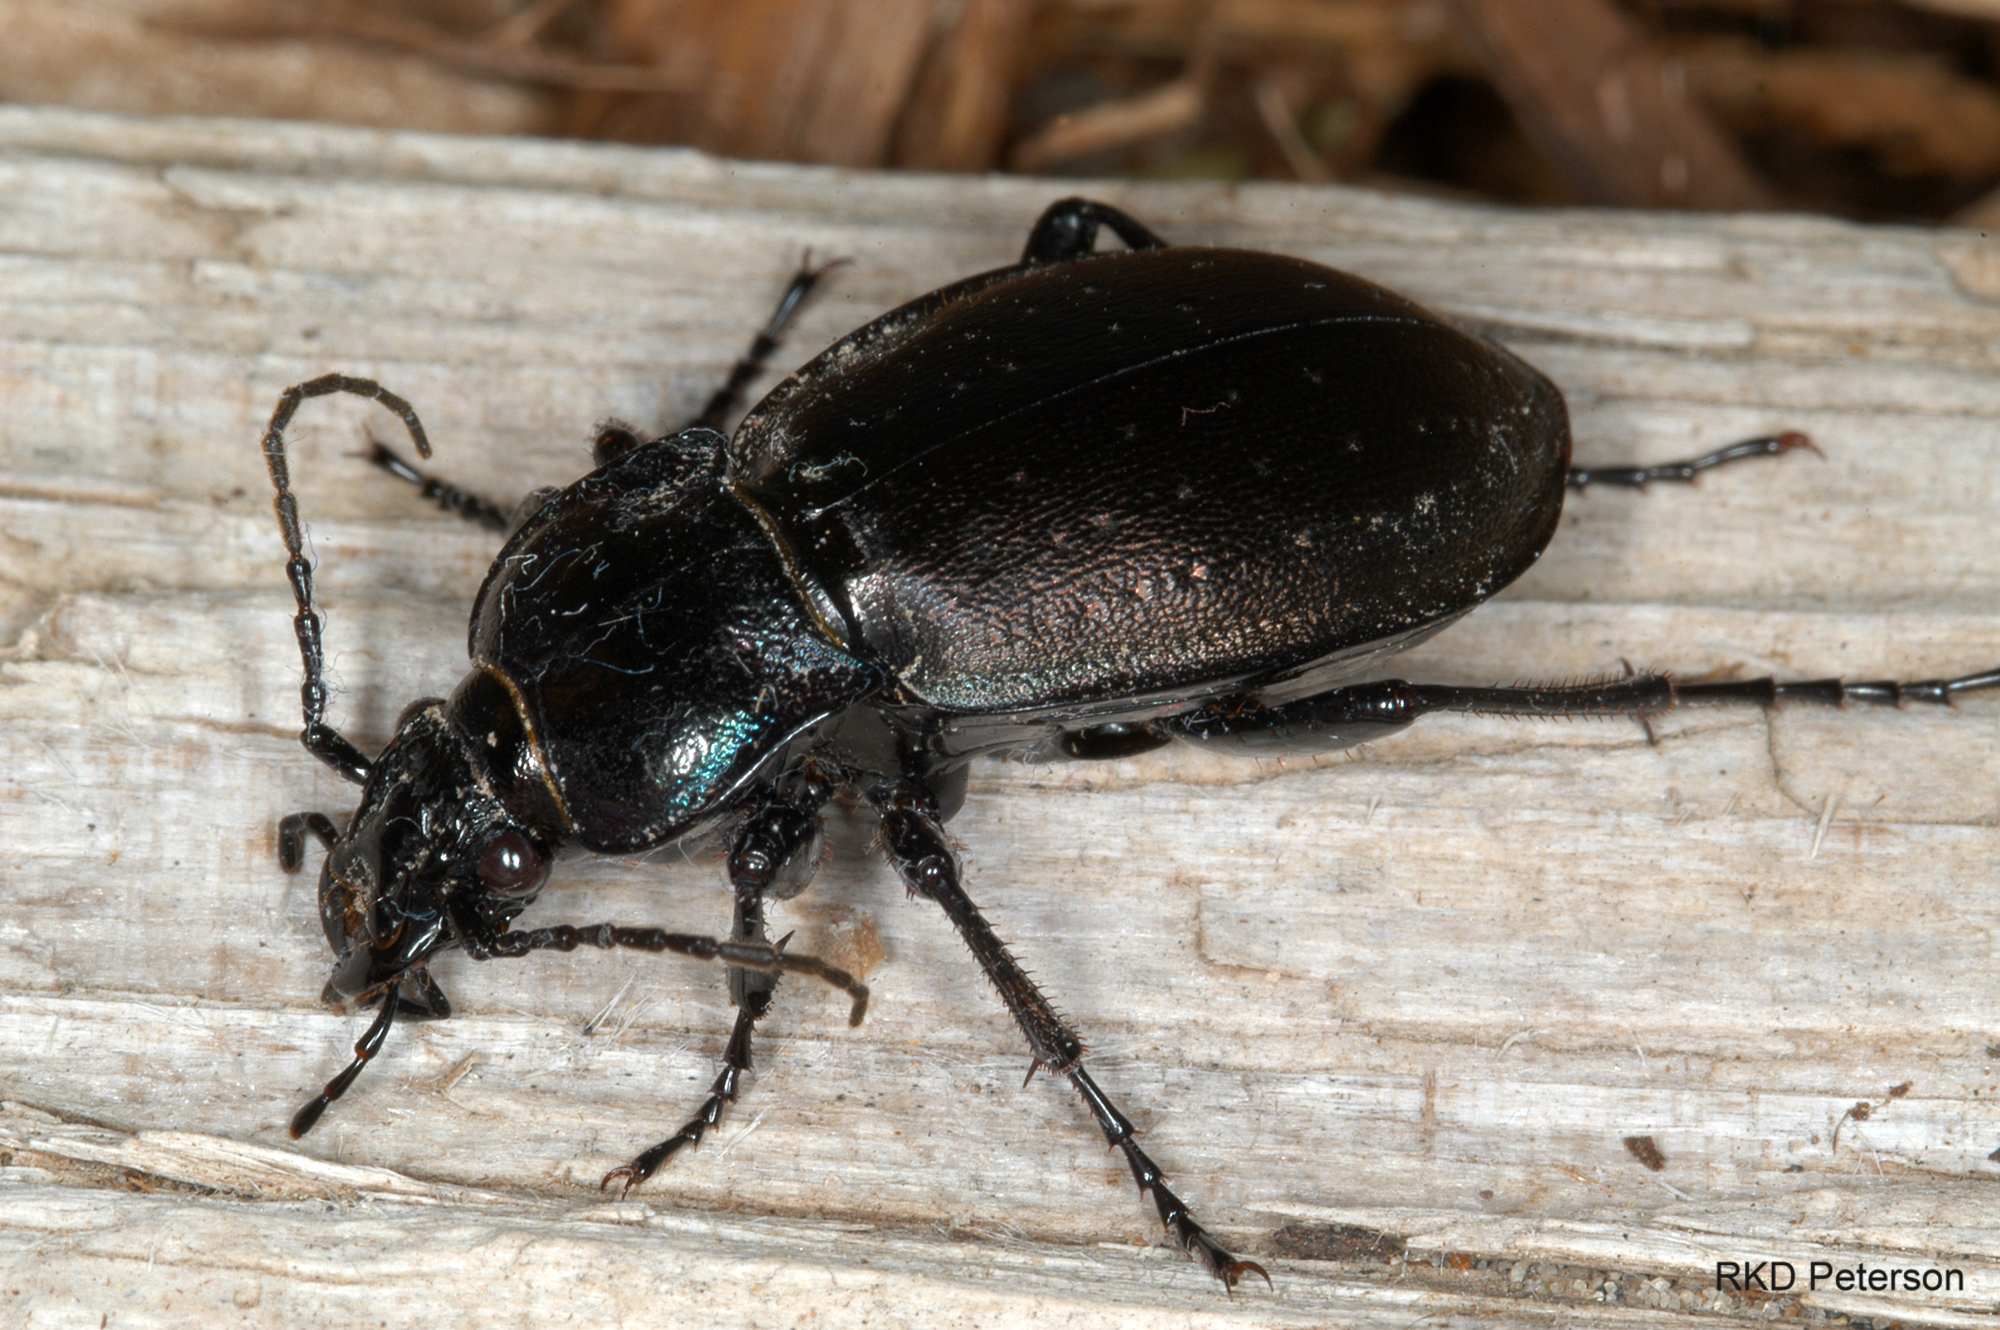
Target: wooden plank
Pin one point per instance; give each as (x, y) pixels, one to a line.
(1428, 990)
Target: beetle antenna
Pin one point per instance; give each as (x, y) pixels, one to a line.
(365, 1048)
(744, 955)
(320, 739)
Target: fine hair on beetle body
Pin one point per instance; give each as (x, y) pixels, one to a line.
(1078, 508)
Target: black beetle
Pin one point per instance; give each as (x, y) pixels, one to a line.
(1078, 507)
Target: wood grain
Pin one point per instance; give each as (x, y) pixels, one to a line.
(1426, 989)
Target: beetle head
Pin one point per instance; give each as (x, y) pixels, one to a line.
(431, 860)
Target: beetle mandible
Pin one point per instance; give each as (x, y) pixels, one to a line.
(1078, 507)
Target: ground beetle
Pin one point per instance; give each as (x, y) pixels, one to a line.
(1078, 507)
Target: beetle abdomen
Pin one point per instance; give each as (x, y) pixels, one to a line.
(1217, 468)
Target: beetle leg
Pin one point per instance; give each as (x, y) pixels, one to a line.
(1343, 717)
(735, 1061)
(1837, 692)
(1067, 229)
(777, 845)
(414, 997)
(1099, 743)
(730, 395)
(923, 857)
(420, 998)
(292, 829)
(1638, 477)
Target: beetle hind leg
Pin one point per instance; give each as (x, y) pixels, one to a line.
(1344, 717)
(1686, 473)
(914, 834)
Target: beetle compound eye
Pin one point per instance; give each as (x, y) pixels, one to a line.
(511, 865)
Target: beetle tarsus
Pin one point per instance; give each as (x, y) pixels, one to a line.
(1688, 472)
(1343, 717)
(775, 852)
(1196, 1242)
(1174, 1215)
(722, 1093)
(1771, 693)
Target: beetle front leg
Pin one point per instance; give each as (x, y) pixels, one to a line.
(365, 1050)
(735, 1057)
(923, 857)
(775, 853)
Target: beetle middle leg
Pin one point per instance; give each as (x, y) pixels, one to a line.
(775, 855)
(913, 831)
(613, 439)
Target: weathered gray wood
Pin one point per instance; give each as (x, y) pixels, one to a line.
(1428, 989)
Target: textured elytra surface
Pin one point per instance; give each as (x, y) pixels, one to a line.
(1429, 989)
(1142, 474)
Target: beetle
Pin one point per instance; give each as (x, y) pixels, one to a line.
(1075, 508)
